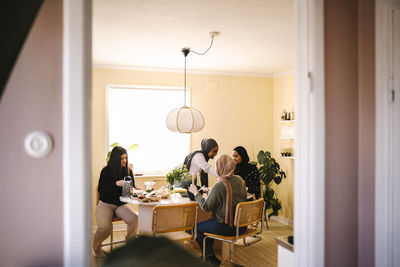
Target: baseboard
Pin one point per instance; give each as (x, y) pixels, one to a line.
(282, 220)
(116, 227)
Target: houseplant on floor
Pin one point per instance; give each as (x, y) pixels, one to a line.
(270, 173)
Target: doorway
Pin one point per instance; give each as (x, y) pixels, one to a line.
(309, 107)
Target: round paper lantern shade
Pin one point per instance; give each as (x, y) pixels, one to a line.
(185, 120)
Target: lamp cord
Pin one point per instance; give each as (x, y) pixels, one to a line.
(185, 53)
(185, 85)
(212, 40)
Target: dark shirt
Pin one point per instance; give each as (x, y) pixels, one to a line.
(251, 176)
(109, 192)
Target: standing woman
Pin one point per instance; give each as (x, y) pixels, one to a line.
(110, 189)
(197, 162)
(222, 201)
(246, 170)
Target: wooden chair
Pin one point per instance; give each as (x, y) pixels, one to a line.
(173, 221)
(112, 241)
(247, 214)
(114, 219)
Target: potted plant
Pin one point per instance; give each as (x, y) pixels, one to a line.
(270, 173)
(133, 147)
(177, 174)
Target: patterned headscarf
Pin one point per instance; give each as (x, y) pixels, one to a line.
(225, 167)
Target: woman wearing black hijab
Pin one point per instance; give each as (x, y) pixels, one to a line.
(246, 170)
(196, 162)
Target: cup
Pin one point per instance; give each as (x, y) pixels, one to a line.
(149, 186)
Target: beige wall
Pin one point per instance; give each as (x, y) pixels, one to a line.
(350, 140)
(283, 99)
(366, 132)
(31, 188)
(341, 132)
(237, 111)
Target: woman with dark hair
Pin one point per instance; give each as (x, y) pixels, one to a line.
(197, 162)
(246, 170)
(222, 201)
(110, 189)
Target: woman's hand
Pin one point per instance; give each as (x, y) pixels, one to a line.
(119, 183)
(193, 189)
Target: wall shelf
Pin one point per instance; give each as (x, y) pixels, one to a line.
(285, 157)
(286, 138)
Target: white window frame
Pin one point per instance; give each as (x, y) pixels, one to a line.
(139, 87)
(387, 234)
(77, 186)
(309, 176)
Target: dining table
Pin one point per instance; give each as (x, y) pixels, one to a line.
(145, 212)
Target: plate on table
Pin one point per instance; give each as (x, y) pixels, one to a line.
(150, 199)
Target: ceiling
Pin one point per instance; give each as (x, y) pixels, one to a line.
(256, 36)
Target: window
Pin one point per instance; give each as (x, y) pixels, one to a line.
(137, 114)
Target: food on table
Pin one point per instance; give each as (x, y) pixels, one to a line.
(154, 198)
(164, 195)
(179, 190)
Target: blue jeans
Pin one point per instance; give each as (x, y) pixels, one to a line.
(213, 227)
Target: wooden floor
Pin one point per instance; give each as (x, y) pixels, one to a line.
(262, 253)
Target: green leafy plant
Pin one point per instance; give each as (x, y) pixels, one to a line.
(132, 147)
(270, 173)
(177, 174)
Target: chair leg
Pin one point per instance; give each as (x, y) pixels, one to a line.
(204, 248)
(230, 253)
(256, 239)
(111, 237)
(230, 256)
(266, 222)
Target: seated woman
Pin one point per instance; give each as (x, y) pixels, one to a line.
(196, 162)
(110, 189)
(222, 201)
(246, 170)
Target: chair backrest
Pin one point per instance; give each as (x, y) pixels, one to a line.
(174, 218)
(249, 213)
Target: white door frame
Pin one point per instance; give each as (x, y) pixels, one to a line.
(309, 184)
(387, 186)
(309, 178)
(76, 132)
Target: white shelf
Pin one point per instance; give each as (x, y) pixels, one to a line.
(286, 120)
(286, 137)
(291, 157)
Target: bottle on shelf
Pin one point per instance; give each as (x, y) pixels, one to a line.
(284, 114)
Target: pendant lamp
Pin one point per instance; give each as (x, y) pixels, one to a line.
(187, 119)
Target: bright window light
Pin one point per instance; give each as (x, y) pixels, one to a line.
(136, 115)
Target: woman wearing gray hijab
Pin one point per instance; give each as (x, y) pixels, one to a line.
(197, 162)
(222, 200)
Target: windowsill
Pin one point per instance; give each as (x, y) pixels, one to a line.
(150, 176)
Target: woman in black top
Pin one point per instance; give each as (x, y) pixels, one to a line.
(246, 170)
(110, 189)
